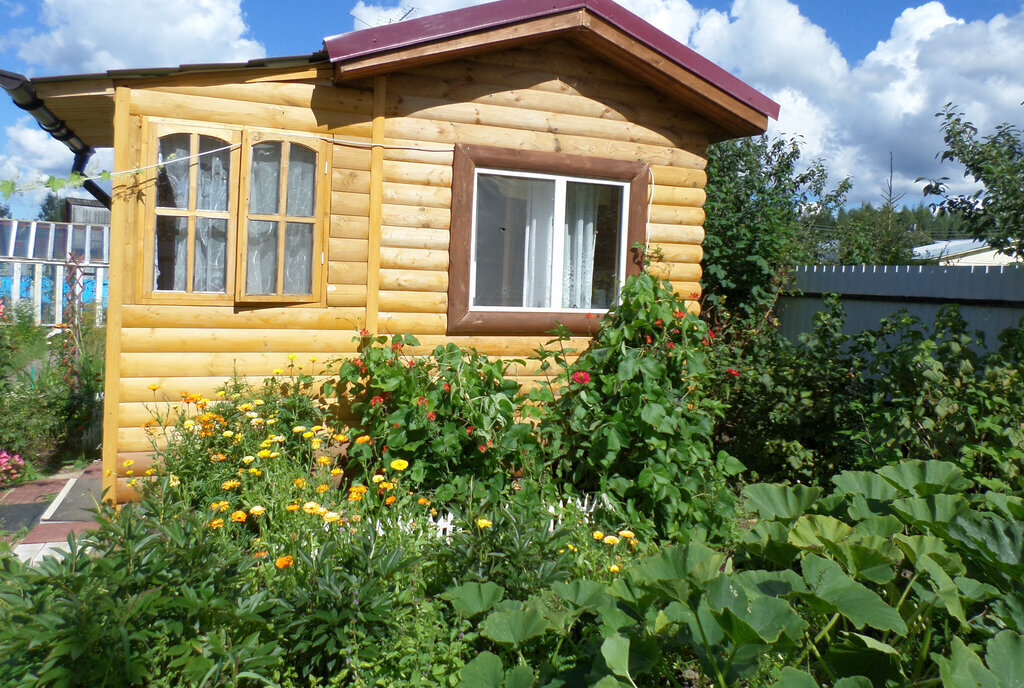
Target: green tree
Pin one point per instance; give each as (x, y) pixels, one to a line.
(765, 207)
(995, 211)
(5, 210)
(52, 208)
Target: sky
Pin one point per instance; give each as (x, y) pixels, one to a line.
(857, 80)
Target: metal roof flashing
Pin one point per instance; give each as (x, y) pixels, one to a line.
(503, 13)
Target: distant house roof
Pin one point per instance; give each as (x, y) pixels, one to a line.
(950, 248)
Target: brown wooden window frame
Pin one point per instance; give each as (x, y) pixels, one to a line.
(242, 138)
(464, 319)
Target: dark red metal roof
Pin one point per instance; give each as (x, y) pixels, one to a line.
(505, 12)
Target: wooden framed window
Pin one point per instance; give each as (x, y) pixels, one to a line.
(280, 253)
(234, 215)
(540, 238)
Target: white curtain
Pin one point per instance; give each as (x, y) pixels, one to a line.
(539, 231)
(261, 258)
(580, 233)
(211, 251)
(298, 258)
(170, 254)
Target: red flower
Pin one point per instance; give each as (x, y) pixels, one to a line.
(590, 316)
(705, 342)
(671, 345)
(581, 377)
(711, 334)
(410, 363)
(680, 314)
(659, 322)
(469, 430)
(376, 400)
(431, 415)
(422, 401)
(482, 448)
(447, 387)
(364, 332)
(397, 346)
(733, 372)
(649, 340)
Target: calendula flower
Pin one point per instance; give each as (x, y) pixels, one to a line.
(614, 568)
(299, 482)
(263, 453)
(390, 500)
(377, 478)
(294, 506)
(238, 516)
(219, 506)
(154, 387)
(284, 562)
(362, 439)
(248, 459)
(218, 457)
(598, 535)
(323, 460)
(299, 429)
(311, 507)
(358, 489)
(626, 534)
(317, 428)
(257, 510)
(331, 517)
(174, 480)
(216, 523)
(291, 357)
(255, 471)
(423, 501)
(261, 553)
(322, 487)
(483, 523)
(128, 462)
(278, 371)
(315, 443)
(308, 435)
(399, 464)
(610, 540)
(341, 437)
(188, 424)
(274, 454)
(227, 433)
(336, 471)
(355, 496)
(230, 484)
(386, 485)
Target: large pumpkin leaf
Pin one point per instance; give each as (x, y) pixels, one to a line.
(996, 540)
(470, 599)
(513, 627)
(520, 676)
(931, 512)
(745, 620)
(1004, 655)
(582, 594)
(814, 531)
(485, 671)
(832, 590)
(926, 478)
(615, 650)
(694, 561)
(917, 546)
(866, 484)
(784, 502)
(794, 678)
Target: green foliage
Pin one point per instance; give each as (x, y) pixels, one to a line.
(52, 208)
(5, 211)
(630, 418)
(764, 207)
(903, 391)
(994, 212)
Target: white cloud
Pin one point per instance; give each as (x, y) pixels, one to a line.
(82, 36)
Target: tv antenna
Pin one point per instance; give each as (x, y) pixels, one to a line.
(384, 18)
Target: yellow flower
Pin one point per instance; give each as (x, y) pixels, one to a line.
(248, 459)
(133, 483)
(129, 472)
(227, 433)
(331, 516)
(244, 407)
(299, 482)
(312, 359)
(175, 480)
(598, 535)
(610, 540)
(219, 506)
(315, 443)
(483, 523)
(255, 471)
(274, 455)
(291, 357)
(128, 462)
(390, 500)
(362, 439)
(150, 471)
(216, 523)
(323, 460)
(263, 453)
(626, 534)
(154, 387)
(220, 392)
(261, 553)
(238, 516)
(311, 507)
(359, 489)
(572, 547)
(277, 371)
(188, 424)
(218, 457)
(284, 562)
(317, 428)
(355, 496)
(399, 464)
(633, 542)
(614, 568)
(341, 437)
(292, 507)
(387, 486)
(336, 471)
(258, 402)
(257, 510)
(322, 487)
(423, 501)
(230, 484)
(377, 478)
(308, 435)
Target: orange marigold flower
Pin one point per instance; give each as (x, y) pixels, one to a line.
(423, 501)
(218, 457)
(322, 487)
(230, 484)
(292, 507)
(284, 562)
(355, 496)
(336, 471)
(299, 482)
(391, 500)
(216, 523)
(323, 460)
(238, 516)
(261, 553)
(257, 510)
(399, 464)
(154, 387)
(362, 439)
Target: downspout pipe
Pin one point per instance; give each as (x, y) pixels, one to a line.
(23, 93)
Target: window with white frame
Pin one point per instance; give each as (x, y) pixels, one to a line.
(547, 242)
(235, 215)
(540, 238)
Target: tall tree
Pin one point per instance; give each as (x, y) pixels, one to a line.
(52, 208)
(5, 210)
(995, 211)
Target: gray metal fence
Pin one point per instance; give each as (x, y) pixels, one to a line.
(991, 298)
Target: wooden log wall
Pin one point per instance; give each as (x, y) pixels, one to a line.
(551, 98)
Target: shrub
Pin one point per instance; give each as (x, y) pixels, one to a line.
(12, 469)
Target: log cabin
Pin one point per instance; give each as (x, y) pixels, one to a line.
(474, 176)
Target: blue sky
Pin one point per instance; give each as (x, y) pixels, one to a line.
(856, 79)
